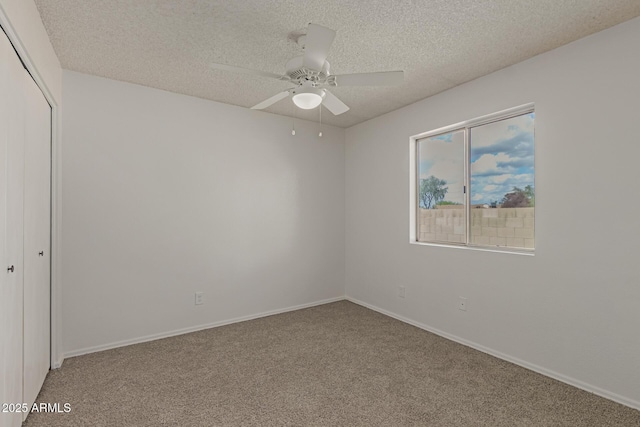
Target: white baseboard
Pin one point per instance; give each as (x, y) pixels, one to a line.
(57, 363)
(539, 369)
(182, 331)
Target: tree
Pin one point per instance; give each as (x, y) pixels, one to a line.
(519, 198)
(529, 191)
(432, 190)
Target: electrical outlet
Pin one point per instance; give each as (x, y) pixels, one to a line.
(462, 303)
(401, 291)
(199, 298)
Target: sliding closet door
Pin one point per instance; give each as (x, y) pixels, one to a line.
(12, 169)
(37, 231)
(5, 292)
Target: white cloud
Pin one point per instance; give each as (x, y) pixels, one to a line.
(488, 163)
(526, 178)
(492, 133)
(486, 189)
(499, 179)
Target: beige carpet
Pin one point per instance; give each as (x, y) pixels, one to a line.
(334, 365)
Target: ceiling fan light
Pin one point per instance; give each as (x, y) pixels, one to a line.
(308, 99)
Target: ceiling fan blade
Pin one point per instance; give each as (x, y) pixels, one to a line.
(266, 103)
(385, 78)
(248, 71)
(317, 44)
(333, 104)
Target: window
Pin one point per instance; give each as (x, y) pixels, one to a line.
(473, 183)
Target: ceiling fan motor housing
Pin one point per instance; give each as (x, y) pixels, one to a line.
(299, 73)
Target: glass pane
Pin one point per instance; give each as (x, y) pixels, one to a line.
(502, 183)
(441, 198)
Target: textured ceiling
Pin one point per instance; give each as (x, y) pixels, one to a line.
(168, 44)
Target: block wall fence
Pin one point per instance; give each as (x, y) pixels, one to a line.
(489, 226)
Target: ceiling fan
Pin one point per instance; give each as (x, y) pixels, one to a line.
(311, 75)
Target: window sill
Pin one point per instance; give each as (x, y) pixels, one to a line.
(511, 251)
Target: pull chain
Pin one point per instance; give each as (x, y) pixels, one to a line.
(320, 132)
(293, 129)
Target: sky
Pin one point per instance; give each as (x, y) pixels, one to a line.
(443, 157)
(501, 157)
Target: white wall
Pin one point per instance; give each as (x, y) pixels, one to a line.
(166, 195)
(572, 310)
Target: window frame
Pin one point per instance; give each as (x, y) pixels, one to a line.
(414, 173)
